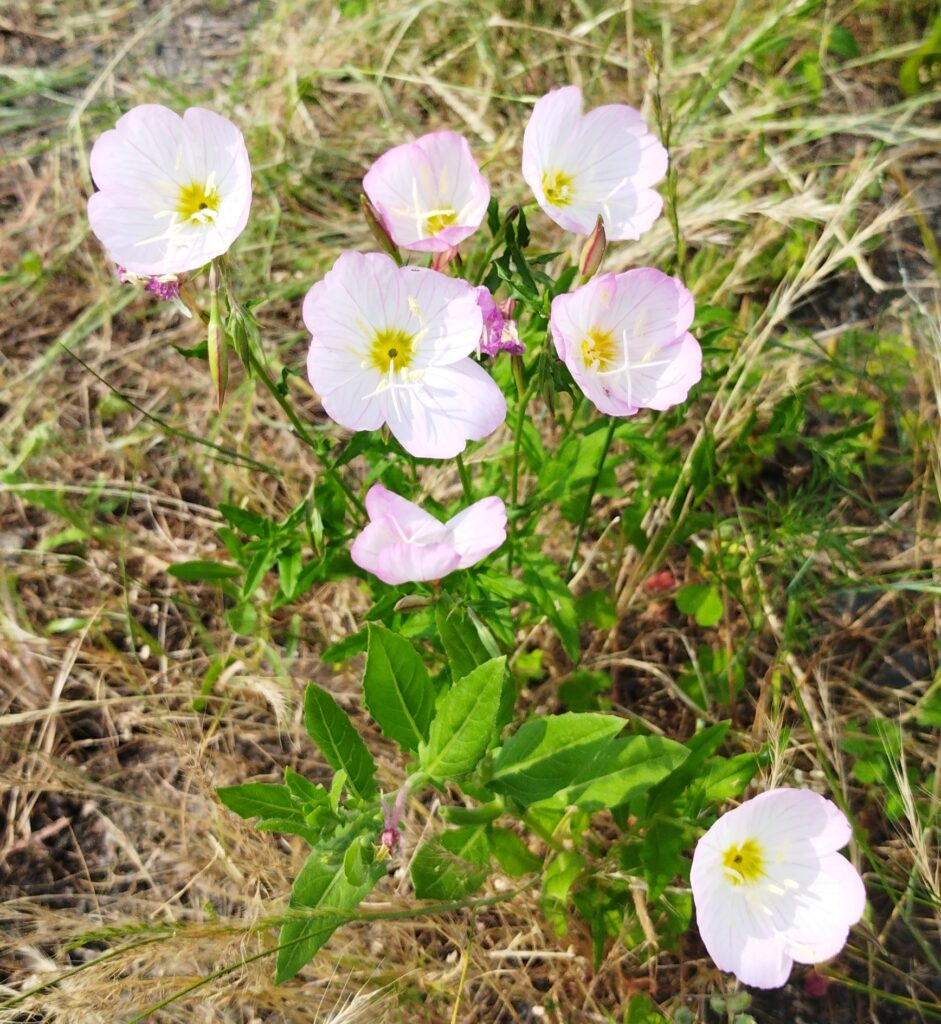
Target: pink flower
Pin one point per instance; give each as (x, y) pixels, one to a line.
(174, 191)
(403, 544)
(770, 888)
(429, 192)
(624, 338)
(604, 162)
(391, 345)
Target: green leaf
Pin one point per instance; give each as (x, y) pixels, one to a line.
(465, 723)
(842, 42)
(397, 689)
(452, 865)
(702, 602)
(597, 607)
(514, 855)
(701, 746)
(560, 875)
(549, 754)
(203, 571)
(305, 790)
(321, 885)
(344, 649)
(466, 642)
(641, 1010)
(259, 800)
(620, 771)
(288, 826)
(728, 777)
(289, 571)
(248, 522)
(328, 726)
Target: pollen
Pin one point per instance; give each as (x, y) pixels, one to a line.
(558, 187)
(391, 350)
(599, 349)
(744, 864)
(198, 202)
(438, 220)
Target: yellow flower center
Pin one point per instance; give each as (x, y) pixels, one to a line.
(744, 864)
(598, 349)
(391, 348)
(557, 187)
(438, 220)
(198, 202)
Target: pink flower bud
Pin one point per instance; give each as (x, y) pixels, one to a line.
(589, 262)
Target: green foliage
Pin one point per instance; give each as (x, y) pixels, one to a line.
(323, 896)
(549, 754)
(465, 723)
(452, 865)
(339, 742)
(397, 689)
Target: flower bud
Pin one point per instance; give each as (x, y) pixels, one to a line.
(218, 354)
(378, 229)
(593, 252)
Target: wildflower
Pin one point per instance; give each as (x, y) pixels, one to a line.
(604, 162)
(500, 333)
(391, 345)
(174, 191)
(429, 192)
(770, 888)
(404, 544)
(624, 338)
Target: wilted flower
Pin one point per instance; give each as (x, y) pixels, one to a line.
(391, 345)
(604, 162)
(500, 333)
(429, 192)
(624, 338)
(174, 191)
(165, 287)
(770, 888)
(404, 544)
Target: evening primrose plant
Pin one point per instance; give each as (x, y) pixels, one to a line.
(440, 346)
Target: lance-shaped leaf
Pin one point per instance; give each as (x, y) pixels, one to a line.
(466, 641)
(549, 754)
(324, 888)
(465, 723)
(622, 770)
(397, 689)
(452, 865)
(328, 726)
(260, 800)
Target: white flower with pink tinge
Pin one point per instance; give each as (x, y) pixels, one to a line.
(391, 345)
(603, 162)
(404, 544)
(174, 191)
(429, 193)
(624, 338)
(770, 888)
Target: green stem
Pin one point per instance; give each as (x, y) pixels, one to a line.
(465, 479)
(515, 471)
(612, 424)
(302, 432)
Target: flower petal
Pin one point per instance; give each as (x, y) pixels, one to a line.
(411, 522)
(452, 405)
(415, 563)
(826, 909)
(142, 153)
(478, 531)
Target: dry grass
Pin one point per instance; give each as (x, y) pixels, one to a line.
(124, 878)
